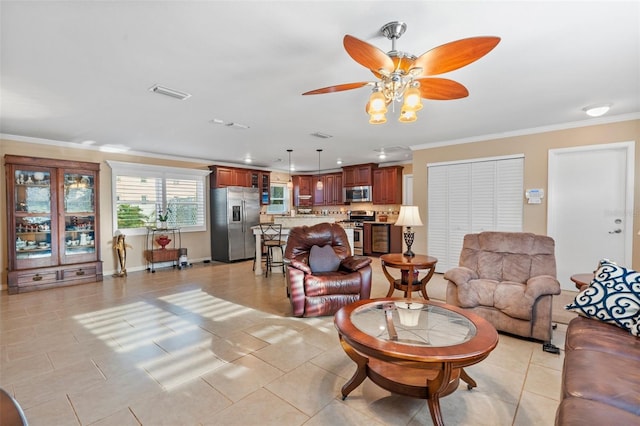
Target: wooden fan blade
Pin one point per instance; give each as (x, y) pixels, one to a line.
(338, 88)
(441, 89)
(454, 55)
(367, 55)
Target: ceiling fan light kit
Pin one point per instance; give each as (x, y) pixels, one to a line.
(403, 77)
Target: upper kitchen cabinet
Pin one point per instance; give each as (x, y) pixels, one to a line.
(262, 181)
(52, 223)
(331, 193)
(333, 189)
(223, 176)
(303, 190)
(229, 176)
(360, 175)
(387, 185)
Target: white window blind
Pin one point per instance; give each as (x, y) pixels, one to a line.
(469, 197)
(142, 192)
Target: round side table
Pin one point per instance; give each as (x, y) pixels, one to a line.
(410, 267)
(581, 280)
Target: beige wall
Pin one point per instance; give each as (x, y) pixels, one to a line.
(197, 243)
(535, 149)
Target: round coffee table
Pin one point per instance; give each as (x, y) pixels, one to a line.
(413, 348)
(409, 268)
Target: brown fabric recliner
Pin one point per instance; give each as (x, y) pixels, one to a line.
(508, 278)
(324, 293)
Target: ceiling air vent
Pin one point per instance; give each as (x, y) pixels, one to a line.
(321, 135)
(169, 92)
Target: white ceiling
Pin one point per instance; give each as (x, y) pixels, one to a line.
(77, 71)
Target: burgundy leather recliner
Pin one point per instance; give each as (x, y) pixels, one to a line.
(324, 293)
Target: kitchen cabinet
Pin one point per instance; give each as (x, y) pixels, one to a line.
(229, 176)
(359, 175)
(262, 181)
(333, 186)
(331, 193)
(366, 239)
(52, 223)
(303, 190)
(387, 185)
(223, 176)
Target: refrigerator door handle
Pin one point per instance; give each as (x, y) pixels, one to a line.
(242, 214)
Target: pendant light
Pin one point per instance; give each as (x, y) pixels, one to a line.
(319, 185)
(290, 183)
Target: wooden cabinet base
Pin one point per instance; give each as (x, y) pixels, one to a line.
(162, 255)
(26, 280)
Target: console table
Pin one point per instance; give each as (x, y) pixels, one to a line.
(153, 256)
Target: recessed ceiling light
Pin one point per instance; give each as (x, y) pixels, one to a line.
(338, 161)
(597, 110)
(156, 88)
(248, 160)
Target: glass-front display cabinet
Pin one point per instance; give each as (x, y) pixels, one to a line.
(52, 223)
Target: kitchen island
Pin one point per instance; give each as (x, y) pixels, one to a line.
(289, 222)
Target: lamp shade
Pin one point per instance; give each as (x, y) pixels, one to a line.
(409, 216)
(412, 99)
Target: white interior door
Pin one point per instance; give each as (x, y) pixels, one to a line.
(590, 205)
(407, 190)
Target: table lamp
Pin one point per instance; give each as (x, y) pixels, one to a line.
(409, 216)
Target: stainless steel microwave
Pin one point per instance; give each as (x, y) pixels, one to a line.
(357, 194)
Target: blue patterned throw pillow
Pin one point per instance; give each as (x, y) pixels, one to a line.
(613, 297)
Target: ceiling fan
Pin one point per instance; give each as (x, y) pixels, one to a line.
(403, 75)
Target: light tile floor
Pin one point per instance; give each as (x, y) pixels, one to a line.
(214, 344)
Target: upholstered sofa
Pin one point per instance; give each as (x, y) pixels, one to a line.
(508, 278)
(601, 372)
(600, 376)
(322, 275)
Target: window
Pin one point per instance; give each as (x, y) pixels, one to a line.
(279, 202)
(142, 192)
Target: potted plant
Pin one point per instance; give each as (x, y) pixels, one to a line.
(163, 217)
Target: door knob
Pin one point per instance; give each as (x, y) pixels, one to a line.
(616, 231)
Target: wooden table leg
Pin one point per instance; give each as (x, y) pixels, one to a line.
(360, 374)
(425, 280)
(467, 379)
(391, 280)
(436, 387)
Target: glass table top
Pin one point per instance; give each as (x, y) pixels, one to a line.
(413, 323)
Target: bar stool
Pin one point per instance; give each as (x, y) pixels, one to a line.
(272, 238)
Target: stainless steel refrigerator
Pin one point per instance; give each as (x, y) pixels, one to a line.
(234, 210)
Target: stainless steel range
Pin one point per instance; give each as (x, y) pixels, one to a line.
(358, 217)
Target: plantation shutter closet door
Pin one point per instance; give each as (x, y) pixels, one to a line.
(470, 197)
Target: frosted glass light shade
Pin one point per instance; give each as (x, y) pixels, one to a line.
(412, 99)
